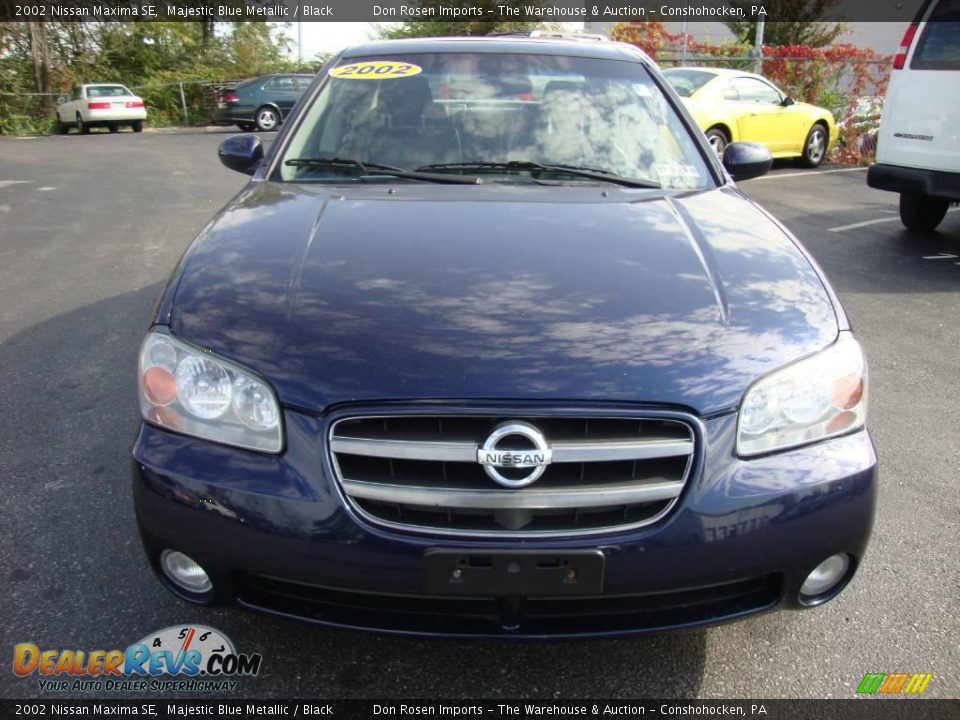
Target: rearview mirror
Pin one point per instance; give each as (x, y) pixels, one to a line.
(746, 160)
(787, 102)
(241, 153)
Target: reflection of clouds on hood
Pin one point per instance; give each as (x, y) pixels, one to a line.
(786, 297)
(515, 318)
(356, 300)
(720, 354)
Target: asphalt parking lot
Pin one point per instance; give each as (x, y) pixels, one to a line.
(90, 227)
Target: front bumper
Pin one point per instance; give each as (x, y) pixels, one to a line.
(933, 183)
(276, 535)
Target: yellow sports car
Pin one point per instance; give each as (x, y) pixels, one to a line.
(731, 105)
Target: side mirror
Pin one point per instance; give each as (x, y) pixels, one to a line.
(241, 153)
(746, 160)
(61, 100)
(787, 102)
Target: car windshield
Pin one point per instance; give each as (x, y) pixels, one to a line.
(687, 82)
(509, 118)
(107, 91)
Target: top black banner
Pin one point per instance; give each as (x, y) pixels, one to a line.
(547, 11)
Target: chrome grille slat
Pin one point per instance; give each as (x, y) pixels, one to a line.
(528, 499)
(406, 449)
(420, 472)
(598, 451)
(563, 451)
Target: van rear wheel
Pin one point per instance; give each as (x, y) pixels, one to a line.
(922, 213)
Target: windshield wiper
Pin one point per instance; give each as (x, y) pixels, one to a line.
(372, 168)
(536, 168)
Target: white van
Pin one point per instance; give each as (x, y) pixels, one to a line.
(918, 150)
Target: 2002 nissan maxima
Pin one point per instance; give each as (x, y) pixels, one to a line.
(492, 345)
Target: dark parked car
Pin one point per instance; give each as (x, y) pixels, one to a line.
(261, 103)
(477, 356)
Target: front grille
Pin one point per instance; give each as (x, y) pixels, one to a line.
(542, 616)
(421, 473)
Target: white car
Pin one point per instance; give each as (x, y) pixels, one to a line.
(107, 105)
(918, 151)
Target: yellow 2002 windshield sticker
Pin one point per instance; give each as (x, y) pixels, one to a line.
(376, 70)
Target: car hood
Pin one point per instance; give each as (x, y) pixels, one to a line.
(414, 291)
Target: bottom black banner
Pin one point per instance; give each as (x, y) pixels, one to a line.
(867, 709)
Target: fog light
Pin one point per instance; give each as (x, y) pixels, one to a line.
(825, 576)
(185, 572)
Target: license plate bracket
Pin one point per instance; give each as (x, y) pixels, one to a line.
(513, 572)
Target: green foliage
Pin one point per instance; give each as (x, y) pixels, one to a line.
(152, 59)
(25, 125)
(800, 23)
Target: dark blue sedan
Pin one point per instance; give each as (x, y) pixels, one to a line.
(261, 103)
(492, 345)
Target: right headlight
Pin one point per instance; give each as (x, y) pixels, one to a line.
(194, 392)
(814, 398)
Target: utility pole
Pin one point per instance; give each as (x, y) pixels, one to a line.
(683, 49)
(758, 49)
(299, 44)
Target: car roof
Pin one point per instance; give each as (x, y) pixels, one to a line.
(112, 84)
(505, 45)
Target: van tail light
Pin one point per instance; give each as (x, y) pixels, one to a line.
(134, 103)
(98, 106)
(900, 59)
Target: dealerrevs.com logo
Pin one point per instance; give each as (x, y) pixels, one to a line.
(200, 658)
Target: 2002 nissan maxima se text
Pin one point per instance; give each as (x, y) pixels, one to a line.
(492, 345)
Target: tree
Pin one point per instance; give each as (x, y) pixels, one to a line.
(802, 23)
(40, 57)
(457, 26)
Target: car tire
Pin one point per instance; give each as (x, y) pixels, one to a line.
(82, 127)
(815, 146)
(922, 213)
(267, 119)
(246, 127)
(718, 140)
(62, 127)
(137, 126)
(113, 128)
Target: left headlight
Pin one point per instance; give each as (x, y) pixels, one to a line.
(814, 398)
(196, 393)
